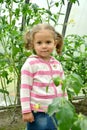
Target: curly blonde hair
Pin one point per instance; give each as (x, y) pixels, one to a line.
(29, 36)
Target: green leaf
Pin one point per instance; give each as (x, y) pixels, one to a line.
(57, 104)
(4, 91)
(49, 12)
(4, 74)
(54, 106)
(15, 50)
(77, 78)
(80, 123)
(73, 1)
(76, 83)
(57, 4)
(64, 112)
(1, 1)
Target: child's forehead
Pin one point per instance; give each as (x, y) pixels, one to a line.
(44, 32)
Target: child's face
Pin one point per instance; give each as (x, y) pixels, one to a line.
(44, 44)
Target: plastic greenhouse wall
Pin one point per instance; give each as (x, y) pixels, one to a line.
(77, 19)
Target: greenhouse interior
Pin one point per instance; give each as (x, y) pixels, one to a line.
(28, 81)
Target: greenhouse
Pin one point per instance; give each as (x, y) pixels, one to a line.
(43, 64)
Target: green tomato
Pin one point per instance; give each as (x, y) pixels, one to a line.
(56, 80)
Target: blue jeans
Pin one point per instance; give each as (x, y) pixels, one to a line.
(42, 122)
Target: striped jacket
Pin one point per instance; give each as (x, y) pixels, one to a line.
(36, 76)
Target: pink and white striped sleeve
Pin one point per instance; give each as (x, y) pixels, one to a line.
(26, 86)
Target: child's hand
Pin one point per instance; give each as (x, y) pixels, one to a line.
(28, 117)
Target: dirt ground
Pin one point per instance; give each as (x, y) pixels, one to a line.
(12, 119)
(81, 106)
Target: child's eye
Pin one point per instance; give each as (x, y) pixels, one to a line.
(48, 42)
(39, 42)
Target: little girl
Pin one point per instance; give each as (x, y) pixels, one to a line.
(37, 73)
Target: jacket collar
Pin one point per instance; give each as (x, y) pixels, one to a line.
(37, 57)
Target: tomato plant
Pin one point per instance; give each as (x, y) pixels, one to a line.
(67, 117)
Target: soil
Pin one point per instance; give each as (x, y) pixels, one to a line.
(81, 106)
(12, 119)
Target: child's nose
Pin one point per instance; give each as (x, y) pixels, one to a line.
(43, 45)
